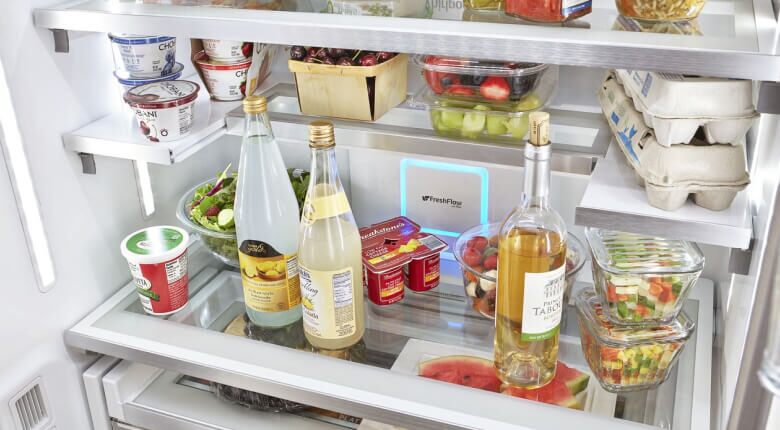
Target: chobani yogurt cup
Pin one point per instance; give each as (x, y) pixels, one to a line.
(127, 82)
(143, 56)
(163, 109)
(157, 257)
(227, 51)
(225, 81)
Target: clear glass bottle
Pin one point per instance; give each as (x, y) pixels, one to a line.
(531, 274)
(331, 266)
(266, 214)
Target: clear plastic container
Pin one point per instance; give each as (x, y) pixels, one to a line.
(642, 280)
(479, 270)
(483, 4)
(660, 10)
(504, 85)
(628, 358)
(469, 120)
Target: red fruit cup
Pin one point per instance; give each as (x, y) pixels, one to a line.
(423, 272)
(157, 257)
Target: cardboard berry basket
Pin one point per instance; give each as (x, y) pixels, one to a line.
(343, 91)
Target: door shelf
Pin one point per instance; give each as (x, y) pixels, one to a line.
(737, 37)
(191, 342)
(614, 200)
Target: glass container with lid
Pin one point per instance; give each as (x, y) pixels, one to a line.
(660, 10)
(640, 279)
(626, 358)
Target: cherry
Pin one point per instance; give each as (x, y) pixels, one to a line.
(328, 60)
(368, 60)
(337, 52)
(298, 53)
(312, 51)
(383, 56)
(311, 59)
(345, 61)
(322, 54)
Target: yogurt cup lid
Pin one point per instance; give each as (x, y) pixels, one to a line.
(155, 244)
(161, 95)
(134, 82)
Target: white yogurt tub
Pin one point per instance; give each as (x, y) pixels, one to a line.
(225, 81)
(157, 257)
(164, 109)
(143, 56)
(227, 51)
(128, 83)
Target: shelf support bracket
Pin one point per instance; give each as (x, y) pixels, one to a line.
(61, 40)
(739, 260)
(768, 97)
(87, 163)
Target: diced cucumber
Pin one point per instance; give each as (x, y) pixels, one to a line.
(643, 300)
(626, 290)
(622, 309)
(622, 281)
(677, 288)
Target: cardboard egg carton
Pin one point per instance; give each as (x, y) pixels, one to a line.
(713, 173)
(676, 106)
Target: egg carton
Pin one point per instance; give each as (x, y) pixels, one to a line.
(713, 173)
(676, 106)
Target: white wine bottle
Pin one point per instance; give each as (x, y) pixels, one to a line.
(266, 215)
(331, 265)
(531, 271)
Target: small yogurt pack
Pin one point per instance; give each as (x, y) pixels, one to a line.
(675, 106)
(164, 110)
(230, 69)
(713, 173)
(143, 57)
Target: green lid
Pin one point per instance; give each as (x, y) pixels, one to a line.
(155, 241)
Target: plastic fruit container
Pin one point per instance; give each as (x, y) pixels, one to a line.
(483, 4)
(164, 110)
(480, 267)
(627, 358)
(642, 280)
(501, 84)
(222, 245)
(660, 10)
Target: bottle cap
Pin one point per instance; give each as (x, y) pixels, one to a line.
(321, 134)
(540, 128)
(255, 104)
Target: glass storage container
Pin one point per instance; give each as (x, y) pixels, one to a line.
(642, 280)
(222, 244)
(625, 358)
(483, 4)
(660, 10)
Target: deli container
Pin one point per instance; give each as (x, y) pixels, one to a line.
(548, 11)
(628, 358)
(127, 83)
(688, 28)
(224, 81)
(504, 85)
(713, 173)
(227, 51)
(660, 10)
(483, 4)
(480, 267)
(642, 280)
(221, 244)
(164, 109)
(143, 56)
(405, 8)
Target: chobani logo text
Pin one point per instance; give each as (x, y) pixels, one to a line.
(443, 201)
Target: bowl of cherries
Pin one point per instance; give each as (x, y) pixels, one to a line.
(477, 252)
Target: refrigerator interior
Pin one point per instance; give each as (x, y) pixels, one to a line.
(86, 216)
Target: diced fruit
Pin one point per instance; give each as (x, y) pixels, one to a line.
(528, 103)
(452, 119)
(459, 90)
(472, 257)
(518, 126)
(477, 242)
(464, 370)
(474, 122)
(491, 262)
(471, 289)
(495, 88)
(496, 125)
(488, 285)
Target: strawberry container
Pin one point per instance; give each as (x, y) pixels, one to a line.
(626, 358)
(477, 252)
(642, 280)
(503, 85)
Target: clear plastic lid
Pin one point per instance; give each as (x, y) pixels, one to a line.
(628, 253)
(592, 315)
(469, 66)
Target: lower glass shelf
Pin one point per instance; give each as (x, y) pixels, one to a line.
(211, 339)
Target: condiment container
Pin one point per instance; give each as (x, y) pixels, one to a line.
(660, 10)
(640, 279)
(164, 110)
(549, 11)
(157, 257)
(625, 358)
(143, 56)
(227, 51)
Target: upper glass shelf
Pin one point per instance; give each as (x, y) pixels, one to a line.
(731, 38)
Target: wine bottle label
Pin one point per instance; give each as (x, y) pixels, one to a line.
(325, 207)
(270, 278)
(328, 303)
(542, 304)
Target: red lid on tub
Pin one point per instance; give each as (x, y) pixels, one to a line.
(161, 95)
(395, 242)
(206, 63)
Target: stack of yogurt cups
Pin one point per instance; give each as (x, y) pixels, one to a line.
(224, 66)
(147, 71)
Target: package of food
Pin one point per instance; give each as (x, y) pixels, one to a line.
(713, 173)
(232, 80)
(509, 86)
(626, 358)
(406, 8)
(548, 10)
(660, 10)
(641, 279)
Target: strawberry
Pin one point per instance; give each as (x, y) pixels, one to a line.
(212, 211)
(460, 90)
(491, 262)
(246, 49)
(495, 88)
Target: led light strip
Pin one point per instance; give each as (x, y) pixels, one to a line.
(143, 183)
(24, 191)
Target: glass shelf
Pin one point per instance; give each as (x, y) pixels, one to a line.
(376, 379)
(731, 38)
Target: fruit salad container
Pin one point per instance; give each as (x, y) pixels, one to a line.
(477, 252)
(660, 10)
(642, 280)
(221, 244)
(625, 358)
(506, 86)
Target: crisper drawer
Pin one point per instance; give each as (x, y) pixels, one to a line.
(376, 379)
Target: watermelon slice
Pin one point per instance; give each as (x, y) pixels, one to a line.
(575, 380)
(464, 370)
(554, 393)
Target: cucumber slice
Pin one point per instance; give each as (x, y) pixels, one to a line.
(225, 218)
